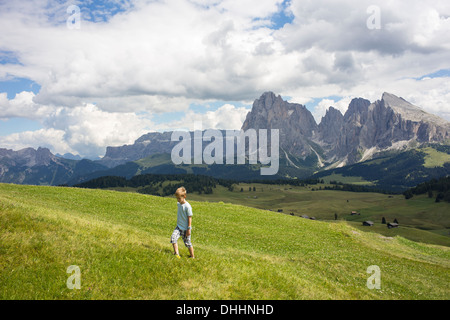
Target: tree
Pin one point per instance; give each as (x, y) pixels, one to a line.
(440, 196)
(408, 194)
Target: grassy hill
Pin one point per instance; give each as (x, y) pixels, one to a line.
(395, 170)
(421, 218)
(120, 241)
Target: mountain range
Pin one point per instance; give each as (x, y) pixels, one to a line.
(385, 129)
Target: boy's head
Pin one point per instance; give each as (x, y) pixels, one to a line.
(181, 194)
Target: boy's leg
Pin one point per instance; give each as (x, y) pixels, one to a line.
(175, 249)
(174, 239)
(188, 244)
(191, 251)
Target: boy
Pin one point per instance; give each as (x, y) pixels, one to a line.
(184, 223)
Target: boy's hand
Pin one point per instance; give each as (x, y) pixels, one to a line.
(188, 232)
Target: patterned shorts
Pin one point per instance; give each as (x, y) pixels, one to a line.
(177, 233)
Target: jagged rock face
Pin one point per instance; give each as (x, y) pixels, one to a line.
(295, 122)
(147, 145)
(330, 127)
(425, 126)
(364, 126)
(15, 166)
(27, 157)
(382, 123)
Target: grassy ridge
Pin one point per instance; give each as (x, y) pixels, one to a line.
(120, 241)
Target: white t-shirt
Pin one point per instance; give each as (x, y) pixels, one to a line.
(184, 211)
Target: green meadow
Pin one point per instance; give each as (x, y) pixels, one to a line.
(120, 242)
(420, 218)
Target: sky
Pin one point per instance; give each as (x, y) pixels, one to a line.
(78, 76)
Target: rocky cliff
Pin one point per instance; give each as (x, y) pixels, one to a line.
(365, 129)
(147, 145)
(41, 167)
(295, 122)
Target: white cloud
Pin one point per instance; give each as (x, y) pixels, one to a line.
(322, 107)
(218, 50)
(86, 129)
(160, 56)
(89, 130)
(22, 106)
(47, 138)
(225, 117)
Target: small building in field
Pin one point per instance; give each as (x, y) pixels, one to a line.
(367, 223)
(391, 225)
(354, 213)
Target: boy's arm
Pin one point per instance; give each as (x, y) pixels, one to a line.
(188, 232)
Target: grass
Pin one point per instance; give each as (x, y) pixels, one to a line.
(120, 241)
(421, 219)
(435, 158)
(347, 180)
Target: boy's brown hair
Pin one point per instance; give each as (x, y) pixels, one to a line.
(181, 191)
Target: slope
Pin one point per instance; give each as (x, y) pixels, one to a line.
(393, 170)
(120, 243)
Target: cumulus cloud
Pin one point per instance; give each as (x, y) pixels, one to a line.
(47, 138)
(22, 106)
(225, 117)
(84, 129)
(87, 130)
(151, 57)
(342, 26)
(220, 49)
(322, 107)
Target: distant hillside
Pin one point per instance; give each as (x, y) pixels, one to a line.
(435, 187)
(41, 167)
(120, 242)
(159, 184)
(162, 164)
(395, 171)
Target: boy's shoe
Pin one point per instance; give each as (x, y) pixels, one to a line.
(191, 257)
(178, 256)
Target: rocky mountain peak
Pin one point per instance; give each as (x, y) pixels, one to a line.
(357, 108)
(409, 111)
(295, 122)
(333, 114)
(330, 126)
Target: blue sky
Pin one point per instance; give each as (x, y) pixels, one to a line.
(138, 65)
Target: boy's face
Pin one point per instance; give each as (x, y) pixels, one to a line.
(181, 198)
